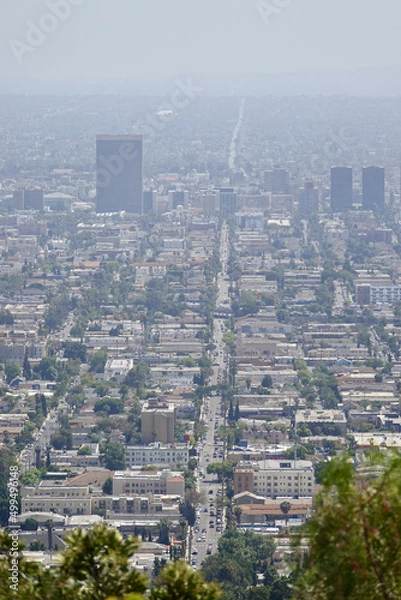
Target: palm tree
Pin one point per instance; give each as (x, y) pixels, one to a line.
(285, 508)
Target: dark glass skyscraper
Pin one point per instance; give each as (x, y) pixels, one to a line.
(227, 201)
(277, 181)
(33, 200)
(119, 183)
(372, 187)
(149, 202)
(341, 194)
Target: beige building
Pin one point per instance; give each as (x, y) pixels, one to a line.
(62, 500)
(275, 478)
(327, 422)
(138, 482)
(166, 455)
(162, 506)
(257, 510)
(158, 423)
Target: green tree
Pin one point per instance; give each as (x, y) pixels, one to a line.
(248, 304)
(164, 527)
(136, 378)
(77, 331)
(112, 455)
(6, 318)
(285, 508)
(111, 406)
(240, 558)
(320, 469)
(267, 382)
(31, 477)
(355, 534)
(26, 367)
(30, 524)
(98, 361)
(48, 368)
(158, 566)
(101, 388)
(237, 514)
(12, 371)
(37, 546)
(107, 487)
(179, 582)
(187, 509)
(75, 350)
(98, 559)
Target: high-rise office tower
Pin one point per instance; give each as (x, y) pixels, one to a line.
(372, 187)
(149, 201)
(119, 186)
(227, 200)
(28, 200)
(341, 194)
(277, 181)
(209, 203)
(308, 200)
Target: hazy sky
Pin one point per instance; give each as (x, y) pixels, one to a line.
(139, 39)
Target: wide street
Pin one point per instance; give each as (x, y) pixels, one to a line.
(210, 514)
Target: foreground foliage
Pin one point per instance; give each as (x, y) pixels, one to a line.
(96, 565)
(355, 534)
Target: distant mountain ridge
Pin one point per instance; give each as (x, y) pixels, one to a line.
(380, 81)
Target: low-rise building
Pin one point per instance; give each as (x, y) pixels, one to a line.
(167, 506)
(157, 454)
(117, 369)
(136, 481)
(275, 478)
(257, 510)
(329, 422)
(58, 499)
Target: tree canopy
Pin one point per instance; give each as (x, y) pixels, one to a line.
(96, 565)
(112, 455)
(355, 534)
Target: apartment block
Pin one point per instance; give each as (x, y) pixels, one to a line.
(137, 505)
(158, 423)
(61, 500)
(157, 454)
(141, 482)
(273, 478)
